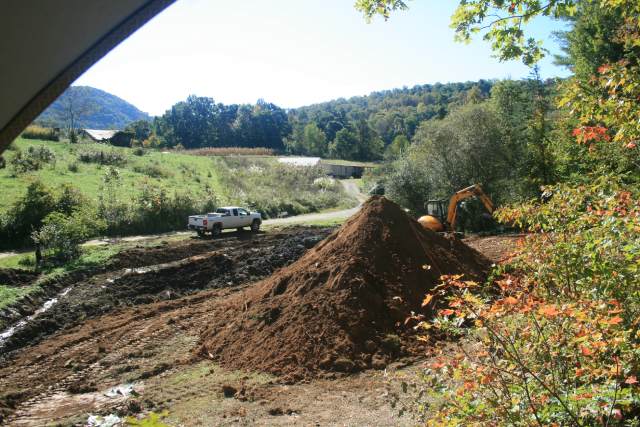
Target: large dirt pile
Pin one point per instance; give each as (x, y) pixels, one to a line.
(341, 307)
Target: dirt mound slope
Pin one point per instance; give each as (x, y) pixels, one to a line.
(341, 307)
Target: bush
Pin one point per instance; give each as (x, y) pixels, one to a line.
(109, 158)
(139, 151)
(73, 167)
(28, 213)
(34, 159)
(39, 132)
(557, 343)
(273, 188)
(154, 210)
(153, 170)
(60, 236)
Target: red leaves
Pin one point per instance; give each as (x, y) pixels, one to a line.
(631, 380)
(589, 134)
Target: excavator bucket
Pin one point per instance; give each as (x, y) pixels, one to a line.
(431, 223)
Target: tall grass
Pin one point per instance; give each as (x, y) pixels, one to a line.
(231, 151)
(39, 132)
(273, 188)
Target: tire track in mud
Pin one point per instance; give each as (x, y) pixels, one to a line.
(100, 335)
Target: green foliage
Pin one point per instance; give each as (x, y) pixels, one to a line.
(311, 142)
(153, 170)
(201, 122)
(102, 157)
(26, 215)
(398, 147)
(370, 8)
(464, 148)
(388, 114)
(34, 159)
(152, 420)
(141, 129)
(61, 234)
(273, 188)
(559, 342)
(593, 39)
(357, 141)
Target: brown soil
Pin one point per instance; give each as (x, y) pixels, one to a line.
(152, 345)
(499, 249)
(342, 306)
(143, 275)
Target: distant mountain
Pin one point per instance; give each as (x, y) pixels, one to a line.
(94, 109)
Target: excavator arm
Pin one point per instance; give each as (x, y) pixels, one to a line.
(465, 193)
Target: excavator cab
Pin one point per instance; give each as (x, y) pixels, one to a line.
(437, 209)
(435, 218)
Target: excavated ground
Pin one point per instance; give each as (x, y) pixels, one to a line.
(143, 327)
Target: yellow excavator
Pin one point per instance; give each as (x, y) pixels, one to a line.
(439, 220)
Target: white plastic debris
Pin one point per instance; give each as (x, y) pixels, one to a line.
(100, 421)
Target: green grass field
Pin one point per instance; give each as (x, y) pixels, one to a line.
(182, 172)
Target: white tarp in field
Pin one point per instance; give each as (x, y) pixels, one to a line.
(300, 161)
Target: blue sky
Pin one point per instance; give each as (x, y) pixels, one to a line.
(294, 53)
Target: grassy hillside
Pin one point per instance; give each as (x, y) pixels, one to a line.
(94, 109)
(179, 172)
(138, 191)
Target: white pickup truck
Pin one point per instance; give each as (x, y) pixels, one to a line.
(223, 218)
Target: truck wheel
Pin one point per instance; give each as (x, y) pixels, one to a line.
(255, 226)
(216, 230)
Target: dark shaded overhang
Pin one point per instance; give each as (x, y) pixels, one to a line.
(46, 45)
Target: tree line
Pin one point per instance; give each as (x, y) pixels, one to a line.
(358, 128)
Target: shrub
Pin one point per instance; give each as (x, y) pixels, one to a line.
(273, 188)
(101, 157)
(558, 343)
(73, 167)
(153, 170)
(28, 213)
(60, 236)
(34, 159)
(39, 132)
(139, 151)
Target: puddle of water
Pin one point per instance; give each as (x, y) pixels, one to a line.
(7, 333)
(62, 405)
